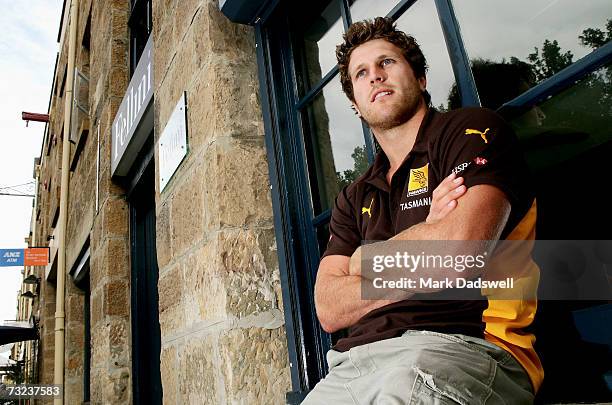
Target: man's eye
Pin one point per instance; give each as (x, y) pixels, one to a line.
(386, 62)
(361, 73)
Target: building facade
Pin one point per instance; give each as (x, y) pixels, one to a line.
(207, 142)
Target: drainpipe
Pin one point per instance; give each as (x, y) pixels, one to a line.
(58, 366)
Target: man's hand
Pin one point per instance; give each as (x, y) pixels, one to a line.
(444, 198)
(443, 201)
(355, 263)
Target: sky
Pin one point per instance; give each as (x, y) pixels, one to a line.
(28, 46)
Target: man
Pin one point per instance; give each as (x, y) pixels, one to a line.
(409, 350)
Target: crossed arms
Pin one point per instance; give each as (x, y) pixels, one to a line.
(480, 214)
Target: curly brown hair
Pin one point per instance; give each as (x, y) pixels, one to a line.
(379, 28)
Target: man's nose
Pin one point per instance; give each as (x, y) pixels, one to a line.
(377, 75)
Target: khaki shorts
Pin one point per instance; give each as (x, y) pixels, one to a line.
(423, 367)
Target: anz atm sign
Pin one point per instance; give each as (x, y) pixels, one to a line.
(134, 120)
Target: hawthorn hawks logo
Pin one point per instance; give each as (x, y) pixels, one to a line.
(418, 183)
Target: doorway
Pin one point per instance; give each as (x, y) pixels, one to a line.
(146, 340)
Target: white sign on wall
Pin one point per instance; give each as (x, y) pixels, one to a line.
(172, 143)
(134, 120)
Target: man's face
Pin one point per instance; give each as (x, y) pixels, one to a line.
(387, 93)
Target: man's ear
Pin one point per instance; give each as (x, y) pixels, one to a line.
(422, 83)
(354, 108)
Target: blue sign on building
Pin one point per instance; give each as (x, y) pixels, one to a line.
(11, 257)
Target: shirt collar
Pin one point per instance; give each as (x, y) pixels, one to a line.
(380, 167)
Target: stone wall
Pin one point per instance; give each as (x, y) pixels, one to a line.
(109, 265)
(221, 319)
(106, 229)
(222, 326)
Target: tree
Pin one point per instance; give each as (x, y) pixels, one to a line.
(595, 37)
(550, 61)
(360, 165)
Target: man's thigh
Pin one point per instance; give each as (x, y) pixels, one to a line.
(418, 368)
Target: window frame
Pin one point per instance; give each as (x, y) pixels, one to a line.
(141, 12)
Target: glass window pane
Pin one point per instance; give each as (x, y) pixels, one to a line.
(362, 9)
(322, 237)
(570, 123)
(568, 143)
(421, 21)
(318, 29)
(335, 146)
(542, 36)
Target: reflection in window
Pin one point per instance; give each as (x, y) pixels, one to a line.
(335, 146)
(546, 35)
(421, 22)
(362, 9)
(318, 29)
(570, 123)
(497, 82)
(569, 152)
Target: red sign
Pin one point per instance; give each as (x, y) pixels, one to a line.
(36, 256)
(480, 161)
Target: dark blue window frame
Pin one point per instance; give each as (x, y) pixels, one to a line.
(294, 222)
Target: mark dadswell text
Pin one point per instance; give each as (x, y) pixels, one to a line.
(429, 282)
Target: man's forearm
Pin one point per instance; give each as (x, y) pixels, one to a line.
(480, 217)
(338, 300)
(419, 235)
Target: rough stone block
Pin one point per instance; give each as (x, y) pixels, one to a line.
(254, 366)
(99, 349)
(224, 89)
(116, 298)
(201, 34)
(226, 37)
(198, 367)
(163, 235)
(96, 394)
(117, 256)
(164, 52)
(243, 196)
(170, 287)
(175, 82)
(118, 339)
(115, 213)
(118, 80)
(96, 269)
(187, 210)
(249, 284)
(74, 307)
(172, 320)
(183, 18)
(205, 297)
(73, 391)
(170, 374)
(234, 274)
(118, 391)
(119, 19)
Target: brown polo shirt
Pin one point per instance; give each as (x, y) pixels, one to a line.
(477, 144)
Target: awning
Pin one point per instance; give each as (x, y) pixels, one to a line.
(244, 11)
(16, 331)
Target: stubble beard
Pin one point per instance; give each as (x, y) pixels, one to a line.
(396, 114)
